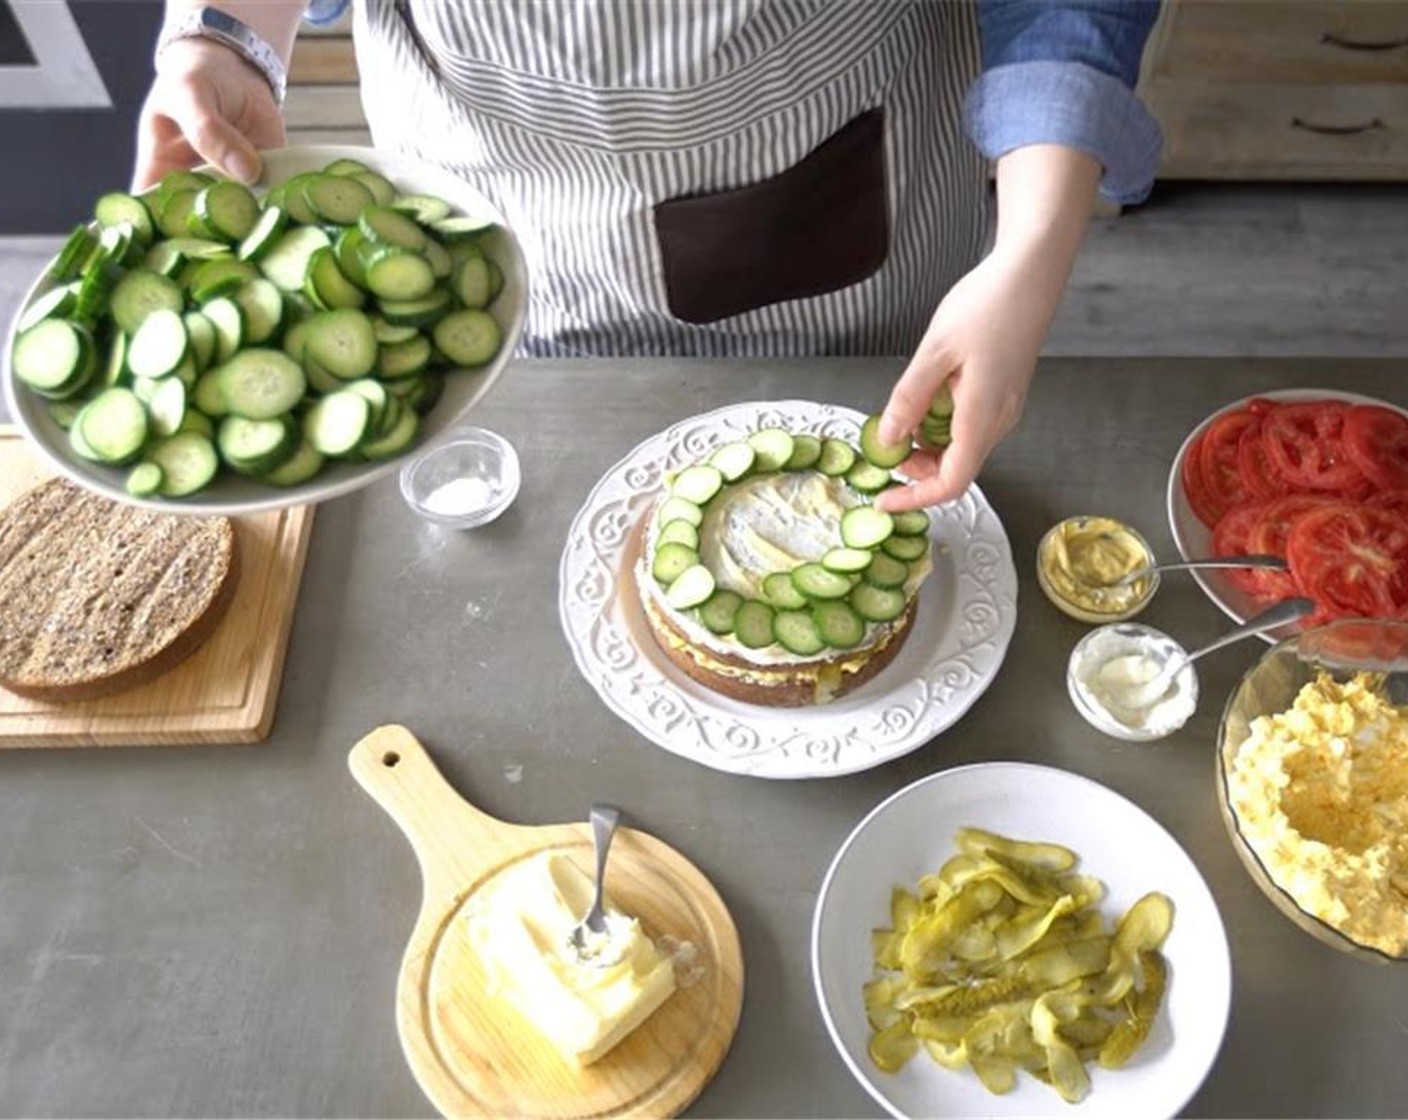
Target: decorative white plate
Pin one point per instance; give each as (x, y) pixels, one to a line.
(1194, 539)
(966, 615)
(231, 493)
(911, 833)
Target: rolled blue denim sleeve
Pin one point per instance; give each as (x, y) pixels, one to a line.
(1064, 73)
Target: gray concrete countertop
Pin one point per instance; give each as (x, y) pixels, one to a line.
(217, 931)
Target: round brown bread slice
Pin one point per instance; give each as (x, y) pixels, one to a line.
(98, 596)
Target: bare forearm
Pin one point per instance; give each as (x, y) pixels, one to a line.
(1044, 198)
(275, 21)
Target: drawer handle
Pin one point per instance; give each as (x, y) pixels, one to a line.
(1336, 129)
(1330, 39)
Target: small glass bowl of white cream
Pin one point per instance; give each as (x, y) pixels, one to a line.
(1108, 674)
(464, 482)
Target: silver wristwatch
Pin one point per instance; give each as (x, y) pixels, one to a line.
(212, 23)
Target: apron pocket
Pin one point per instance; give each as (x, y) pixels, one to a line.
(817, 227)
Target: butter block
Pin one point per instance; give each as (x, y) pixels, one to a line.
(519, 925)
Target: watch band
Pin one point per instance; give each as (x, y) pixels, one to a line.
(212, 23)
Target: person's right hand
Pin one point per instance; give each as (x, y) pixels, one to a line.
(207, 105)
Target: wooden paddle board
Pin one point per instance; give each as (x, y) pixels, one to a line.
(471, 1052)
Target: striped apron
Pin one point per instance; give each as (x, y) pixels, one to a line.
(690, 176)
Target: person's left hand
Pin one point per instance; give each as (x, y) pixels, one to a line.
(983, 340)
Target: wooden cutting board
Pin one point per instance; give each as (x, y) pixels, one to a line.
(473, 1054)
(223, 693)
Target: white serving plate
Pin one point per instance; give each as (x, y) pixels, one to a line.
(1194, 539)
(967, 612)
(911, 833)
(233, 494)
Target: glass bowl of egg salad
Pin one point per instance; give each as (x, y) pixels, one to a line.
(1313, 782)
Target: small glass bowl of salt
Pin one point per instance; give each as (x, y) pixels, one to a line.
(1107, 675)
(464, 482)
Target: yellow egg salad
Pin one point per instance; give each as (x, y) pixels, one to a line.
(1321, 796)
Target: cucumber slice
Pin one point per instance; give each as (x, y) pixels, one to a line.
(388, 334)
(886, 571)
(906, 548)
(396, 360)
(693, 586)
(911, 523)
(144, 479)
(166, 405)
(942, 404)
(806, 451)
(383, 190)
(319, 378)
(342, 342)
(337, 198)
(188, 463)
(200, 332)
(671, 560)
(935, 432)
(866, 527)
(424, 208)
(383, 416)
(139, 293)
(677, 509)
(262, 308)
(816, 582)
(209, 395)
(838, 624)
(441, 263)
(468, 338)
(878, 452)
(867, 477)
(119, 208)
(69, 260)
(264, 234)
(472, 282)
(679, 532)
(346, 167)
(327, 286)
(398, 274)
(347, 248)
(877, 604)
(382, 224)
(64, 413)
(719, 610)
(782, 593)
(337, 423)
(115, 373)
(417, 312)
(256, 446)
(261, 383)
(50, 356)
(114, 425)
(846, 560)
(798, 633)
(837, 457)
(228, 209)
(303, 465)
(753, 624)
(159, 345)
(227, 318)
(197, 421)
(462, 228)
(177, 215)
(773, 448)
(733, 460)
(400, 437)
(54, 303)
(286, 262)
(697, 484)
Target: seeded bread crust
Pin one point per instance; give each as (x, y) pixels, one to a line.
(97, 596)
(792, 685)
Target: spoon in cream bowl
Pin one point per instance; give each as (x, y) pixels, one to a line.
(1152, 690)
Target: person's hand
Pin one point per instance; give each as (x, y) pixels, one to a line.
(983, 341)
(207, 105)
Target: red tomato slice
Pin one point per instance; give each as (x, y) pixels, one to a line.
(1261, 479)
(1217, 459)
(1395, 501)
(1199, 500)
(1376, 441)
(1352, 559)
(1269, 534)
(1305, 443)
(1230, 538)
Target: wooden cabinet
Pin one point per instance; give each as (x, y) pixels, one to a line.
(1270, 89)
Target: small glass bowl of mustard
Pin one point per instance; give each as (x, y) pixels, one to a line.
(1079, 561)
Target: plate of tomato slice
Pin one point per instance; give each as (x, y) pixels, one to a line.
(1315, 475)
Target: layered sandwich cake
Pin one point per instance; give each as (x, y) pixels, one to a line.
(767, 574)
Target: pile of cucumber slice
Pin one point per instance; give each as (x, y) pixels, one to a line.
(197, 328)
(818, 605)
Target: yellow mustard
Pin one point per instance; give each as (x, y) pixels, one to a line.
(1079, 561)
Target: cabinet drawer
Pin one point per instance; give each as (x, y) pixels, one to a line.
(1363, 42)
(1282, 131)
